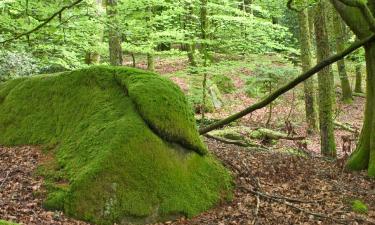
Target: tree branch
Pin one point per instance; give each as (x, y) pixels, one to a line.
(49, 19)
(364, 9)
(289, 86)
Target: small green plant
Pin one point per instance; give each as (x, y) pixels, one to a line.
(268, 78)
(359, 207)
(252, 89)
(224, 83)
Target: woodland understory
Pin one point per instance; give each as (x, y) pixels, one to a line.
(277, 182)
(189, 112)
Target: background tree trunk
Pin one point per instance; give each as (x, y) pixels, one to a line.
(358, 78)
(340, 45)
(204, 27)
(189, 25)
(115, 49)
(308, 86)
(150, 62)
(328, 147)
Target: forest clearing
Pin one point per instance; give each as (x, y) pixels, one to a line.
(187, 112)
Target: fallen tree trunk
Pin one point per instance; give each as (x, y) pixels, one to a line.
(227, 141)
(346, 127)
(272, 97)
(243, 134)
(362, 95)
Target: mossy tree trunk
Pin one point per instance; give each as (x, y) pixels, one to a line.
(325, 82)
(114, 35)
(189, 25)
(364, 156)
(150, 62)
(204, 27)
(306, 59)
(150, 55)
(358, 78)
(340, 46)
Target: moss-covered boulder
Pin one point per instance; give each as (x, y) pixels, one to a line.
(124, 141)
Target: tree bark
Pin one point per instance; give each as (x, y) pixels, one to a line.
(189, 21)
(308, 85)
(325, 83)
(358, 78)
(115, 49)
(204, 27)
(364, 155)
(150, 62)
(340, 45)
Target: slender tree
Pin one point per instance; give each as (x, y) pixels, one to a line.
(189, 26)
(358, 78)
(339, 34)
(204, 27)
(150, 54)
(306, 59)
(325, 82)
(115, 50)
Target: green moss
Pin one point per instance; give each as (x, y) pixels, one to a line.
(3, 222)
(125, 144)
(55, 200)
(359, 207)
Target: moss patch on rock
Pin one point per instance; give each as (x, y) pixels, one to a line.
(125, 144)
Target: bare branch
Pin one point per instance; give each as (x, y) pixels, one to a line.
(273, 96)
(49, 19)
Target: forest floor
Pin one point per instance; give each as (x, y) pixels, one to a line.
(271, 188)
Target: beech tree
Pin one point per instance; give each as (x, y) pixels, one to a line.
(114, 36)
(358, 15)
(325, 82)
(339, 35)
(306, 60)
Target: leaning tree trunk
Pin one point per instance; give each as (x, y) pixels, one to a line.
(306, 59)
(364, 156)
(361, 24)
(340, 46)
(325, 82)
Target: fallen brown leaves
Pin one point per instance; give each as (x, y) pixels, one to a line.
(276, 188)
(21, 194)
(271, 188)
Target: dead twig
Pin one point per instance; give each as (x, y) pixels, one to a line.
(6, 177)
(288, 202)
(227, 141)
(256, 211)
